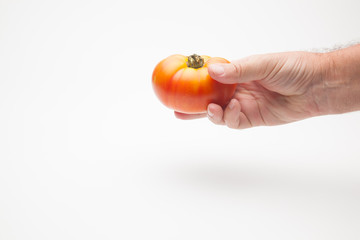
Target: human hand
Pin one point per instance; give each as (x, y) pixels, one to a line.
(272, 89)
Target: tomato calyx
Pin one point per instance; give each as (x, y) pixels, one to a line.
(195, 61)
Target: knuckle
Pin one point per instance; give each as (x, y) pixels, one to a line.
(231, 124)
(237, 70)
(215, 121)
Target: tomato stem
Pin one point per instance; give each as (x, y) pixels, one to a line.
(195, 61)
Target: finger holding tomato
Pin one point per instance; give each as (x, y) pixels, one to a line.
(184, 84)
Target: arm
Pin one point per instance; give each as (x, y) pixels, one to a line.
(280, 88)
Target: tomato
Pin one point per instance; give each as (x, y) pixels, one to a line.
(184, 84)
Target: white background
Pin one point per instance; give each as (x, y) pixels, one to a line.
(88, 152)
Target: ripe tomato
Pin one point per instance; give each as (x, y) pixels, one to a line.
(183, 83)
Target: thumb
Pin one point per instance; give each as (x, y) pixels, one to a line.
(244, 70)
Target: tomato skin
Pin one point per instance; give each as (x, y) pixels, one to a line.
(186, 89)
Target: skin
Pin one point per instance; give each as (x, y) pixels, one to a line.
(280, 88)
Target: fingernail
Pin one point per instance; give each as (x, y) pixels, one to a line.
(211, 114)
(217, 69)
(231, 104)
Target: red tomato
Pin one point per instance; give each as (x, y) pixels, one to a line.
(183, 83)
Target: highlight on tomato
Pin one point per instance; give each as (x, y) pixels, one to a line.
(183, 83)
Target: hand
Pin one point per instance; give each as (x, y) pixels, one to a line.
(272, 89)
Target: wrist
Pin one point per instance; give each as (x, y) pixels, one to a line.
(339, 89)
